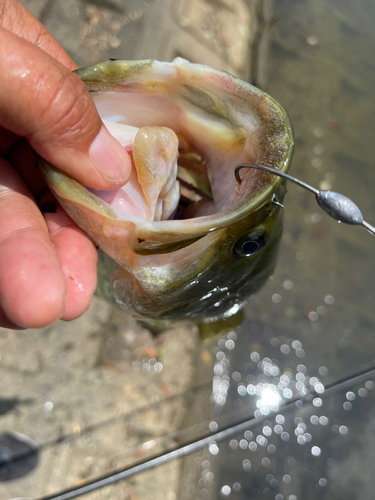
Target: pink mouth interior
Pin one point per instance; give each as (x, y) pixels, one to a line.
(120, 200)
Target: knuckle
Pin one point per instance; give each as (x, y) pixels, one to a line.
(69, 112)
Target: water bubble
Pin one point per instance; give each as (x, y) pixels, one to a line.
(280, 419)
(300, 353)
(369, 385)
(347, 406)
(229, 344)
(276, 297)
(323, 481)
(362, 392)
(343, 429)
(300, 255)
(350, 396)
(225, 490)
(233, 444)
(323, 371)
(48, 406)
(253, 446)
(262, 441)
(323, 420)
(300, 386)
(313, 316)
(314, 420)
(232, 335)
(246, 465)
(287, 393)
(285, 436)
(316, 451)
(288, 285)
(275, 342)
(266, 462)
(243, 444)
(248, 435)
(158, 366)
(287, 479)
(318, 149)
(317, 162)
(250, 389)
(285, 349)
(301, 439)
(319, 388)
(301, 369)
(267, 431)
(271, 449)
(325, 185)
(315, 217)
(329, 299)
(236, 487)
(213, 449)
(242, 390)
(278, 429)
(318, 132)
(255, 357)
(220, 355)
(321, 310)
(296, 344)
(279, 497)
(213, 426)
(298, 431)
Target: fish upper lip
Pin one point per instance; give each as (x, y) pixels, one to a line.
(147, 76)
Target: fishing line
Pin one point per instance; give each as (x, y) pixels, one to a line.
(368, 371)
(336, 205)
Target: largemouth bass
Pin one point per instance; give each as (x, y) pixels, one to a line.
(201, 245)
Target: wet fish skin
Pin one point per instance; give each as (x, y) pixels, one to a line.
(215, 284)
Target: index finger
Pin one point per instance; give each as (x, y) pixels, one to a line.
(41, 100)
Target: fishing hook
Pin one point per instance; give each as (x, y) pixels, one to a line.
(334, 204)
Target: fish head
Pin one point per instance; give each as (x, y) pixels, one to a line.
(171, 255)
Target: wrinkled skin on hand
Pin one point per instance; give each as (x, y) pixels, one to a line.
(47, 264)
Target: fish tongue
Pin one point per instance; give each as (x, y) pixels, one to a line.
(155, 157)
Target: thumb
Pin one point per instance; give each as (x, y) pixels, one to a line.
(41, 100)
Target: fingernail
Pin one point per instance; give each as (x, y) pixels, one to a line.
(109, 157)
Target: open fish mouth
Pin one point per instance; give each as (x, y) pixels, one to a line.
(219, 121)
(186, 127)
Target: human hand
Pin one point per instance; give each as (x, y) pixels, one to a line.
(47, 264)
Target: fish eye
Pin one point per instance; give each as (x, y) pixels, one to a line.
(251, 243)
